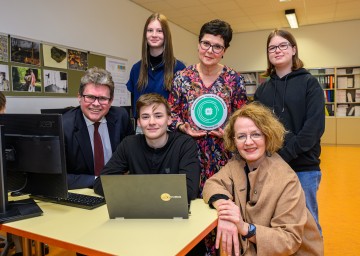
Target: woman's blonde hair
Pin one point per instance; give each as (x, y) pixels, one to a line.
(264, 119)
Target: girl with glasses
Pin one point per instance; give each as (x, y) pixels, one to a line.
(296, 97)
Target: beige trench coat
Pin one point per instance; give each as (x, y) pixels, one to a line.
(284, 226)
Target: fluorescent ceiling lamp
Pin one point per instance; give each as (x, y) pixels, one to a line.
(291, 17)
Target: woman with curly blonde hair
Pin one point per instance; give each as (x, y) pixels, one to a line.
(258, 197)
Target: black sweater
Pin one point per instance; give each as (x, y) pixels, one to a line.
(134, 156)
(298, 100)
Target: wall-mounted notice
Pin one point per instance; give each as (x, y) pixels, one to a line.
(120, 72)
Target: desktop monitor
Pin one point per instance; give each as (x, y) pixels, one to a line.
(55, 110)
(34, 154)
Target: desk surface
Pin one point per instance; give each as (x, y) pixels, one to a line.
(92, 232)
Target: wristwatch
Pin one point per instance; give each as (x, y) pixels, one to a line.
(251, 231)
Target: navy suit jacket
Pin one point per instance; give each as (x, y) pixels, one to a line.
(79, 154)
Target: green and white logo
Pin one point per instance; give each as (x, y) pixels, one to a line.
(209, 111)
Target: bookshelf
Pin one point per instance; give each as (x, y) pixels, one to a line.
(348, 91)
(341, 86)
(326, 78)
(252, 81)
(251, 84)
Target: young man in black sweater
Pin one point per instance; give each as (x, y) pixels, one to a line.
(156, 151)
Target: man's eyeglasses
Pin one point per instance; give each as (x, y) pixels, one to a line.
(215, 47)
(282, 47)
(91, 98)
(254, 136)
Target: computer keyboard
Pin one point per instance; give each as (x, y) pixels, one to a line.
(74, 200)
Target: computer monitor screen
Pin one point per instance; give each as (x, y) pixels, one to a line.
(35, 154)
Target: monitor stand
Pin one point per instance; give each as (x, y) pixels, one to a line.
(19, 210)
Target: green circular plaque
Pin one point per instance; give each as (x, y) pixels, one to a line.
(209, 111)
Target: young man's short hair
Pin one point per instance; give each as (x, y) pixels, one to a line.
(150, 99)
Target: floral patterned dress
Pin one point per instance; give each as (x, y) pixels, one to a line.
(187, 87)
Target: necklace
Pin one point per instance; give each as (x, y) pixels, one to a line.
(156, 66)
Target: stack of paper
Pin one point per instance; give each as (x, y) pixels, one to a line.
(341, 110)
(357, 111)
(341, 96)
(357, 95)
(342, 82)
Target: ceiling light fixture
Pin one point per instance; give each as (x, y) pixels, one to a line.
(291, 17)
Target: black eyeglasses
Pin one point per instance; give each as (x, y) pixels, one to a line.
(205, 45)
(282, 47)
(91, 98)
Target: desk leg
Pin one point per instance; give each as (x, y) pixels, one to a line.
(26, 245)
(39, 248)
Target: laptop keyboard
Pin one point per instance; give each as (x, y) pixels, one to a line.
(74, 200)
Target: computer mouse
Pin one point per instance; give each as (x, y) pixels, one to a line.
(16, 193)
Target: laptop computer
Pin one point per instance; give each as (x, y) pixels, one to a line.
(152, 196)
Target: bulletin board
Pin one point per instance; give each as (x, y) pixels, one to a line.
(33, 68)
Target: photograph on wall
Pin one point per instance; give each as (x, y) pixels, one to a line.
(54, 56)
(77, 60)
(25, 51)
(4, 52)
(25, 79)
(4, 78)
(55, 81)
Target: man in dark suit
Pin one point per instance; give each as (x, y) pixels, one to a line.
(95, 113)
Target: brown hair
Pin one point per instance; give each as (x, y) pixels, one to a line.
(152, 98)
(264, 119)
(2, 102)
(296, 62)
(168, 54)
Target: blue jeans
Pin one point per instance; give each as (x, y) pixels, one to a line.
(310, 181)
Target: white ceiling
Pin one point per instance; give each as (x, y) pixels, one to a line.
(252, 15)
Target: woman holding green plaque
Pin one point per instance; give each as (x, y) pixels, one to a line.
(204, 95)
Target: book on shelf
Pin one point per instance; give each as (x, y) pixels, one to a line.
(331, 82)
(329, 109)
(350, 82)
(351, 111)
(329, 95)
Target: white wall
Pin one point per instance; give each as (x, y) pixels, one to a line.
(325, 45)
(114, 27)
(111, 27)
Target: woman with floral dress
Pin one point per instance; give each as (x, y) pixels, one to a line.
(207, 80)
(210, 78)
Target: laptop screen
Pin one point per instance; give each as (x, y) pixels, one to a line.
(152, 196)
